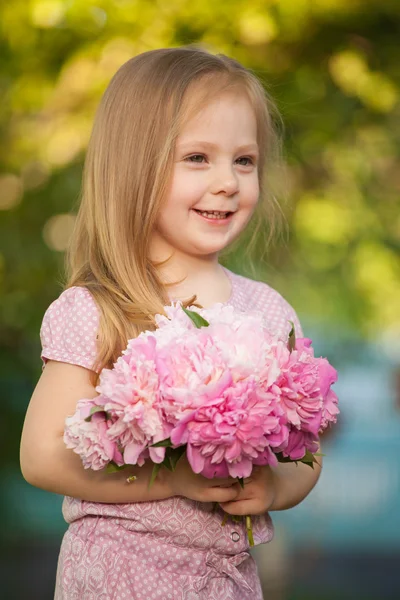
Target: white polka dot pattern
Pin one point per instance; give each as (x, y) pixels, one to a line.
(103, 560)
(256, 296)
(168, 549)
(69, 328)
(70, 324)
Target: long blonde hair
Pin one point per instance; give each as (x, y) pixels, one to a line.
(126, 175)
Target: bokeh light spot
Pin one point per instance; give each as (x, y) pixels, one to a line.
(11, 190)
(63, 146)
(350, 72)
(257, 28)
(47, 13)
(323, 220)
(34, 174)
(57, 231)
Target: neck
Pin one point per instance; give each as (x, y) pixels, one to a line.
(191, 268)
(184, 274)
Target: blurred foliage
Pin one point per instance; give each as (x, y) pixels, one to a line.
(333, 67)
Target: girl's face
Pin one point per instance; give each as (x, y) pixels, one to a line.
(214, 187)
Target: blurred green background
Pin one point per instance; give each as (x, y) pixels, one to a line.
(333, 67)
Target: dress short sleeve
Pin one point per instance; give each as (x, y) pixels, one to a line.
(69, 329)
(279, 314)
(255, 296)
(290, 315)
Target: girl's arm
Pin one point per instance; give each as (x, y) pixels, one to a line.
(275, 488)
(47, 463)
(292, 483)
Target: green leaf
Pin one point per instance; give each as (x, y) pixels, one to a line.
(309, 456)
(174, 455)
(94, 410)
(114, 468)
(309, 459)
(283, 459)
(196, 318)
(167, 464)
(241, 481)
(163, 444)
(292, 338)
(154, 474)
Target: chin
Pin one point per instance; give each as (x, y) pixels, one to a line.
(206, 249)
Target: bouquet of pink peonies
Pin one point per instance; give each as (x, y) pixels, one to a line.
(213, 383)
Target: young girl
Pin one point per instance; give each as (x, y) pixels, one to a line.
(174, 171)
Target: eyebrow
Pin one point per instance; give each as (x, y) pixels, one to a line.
(211, 146)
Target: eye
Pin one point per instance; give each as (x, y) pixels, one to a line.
(245, 161)
(195, 158)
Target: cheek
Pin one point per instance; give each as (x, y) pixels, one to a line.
(166, 220)
(175, 208)
(174, 203)
(186, 187)
(251, 194)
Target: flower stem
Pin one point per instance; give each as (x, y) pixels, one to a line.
(224, 520)
(249, 528)
(236, 518)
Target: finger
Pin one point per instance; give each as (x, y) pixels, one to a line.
(221, 494)
(225, 485)
(238, 507)
(222, 481)
(243, 507)
(234, 481)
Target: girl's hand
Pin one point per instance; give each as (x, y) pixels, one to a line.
(183, 482)
(256, 497)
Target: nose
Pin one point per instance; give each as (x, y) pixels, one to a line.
(225, 181)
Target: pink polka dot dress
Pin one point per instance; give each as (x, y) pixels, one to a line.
(172, 549)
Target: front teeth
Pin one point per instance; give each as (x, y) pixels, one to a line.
(213, 215)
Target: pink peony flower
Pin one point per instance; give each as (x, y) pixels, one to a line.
(228, 433)
(304, 387)
(243, 339)
(89, 438)
(329, 411)
(328, 376)
(298, 443)
(130, 393)
(250, 350)
(172, 325)
(231, 392)
(191, 371)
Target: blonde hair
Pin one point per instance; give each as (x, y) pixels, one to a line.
(126, 175)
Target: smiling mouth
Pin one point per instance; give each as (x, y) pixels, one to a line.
(213, 214)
